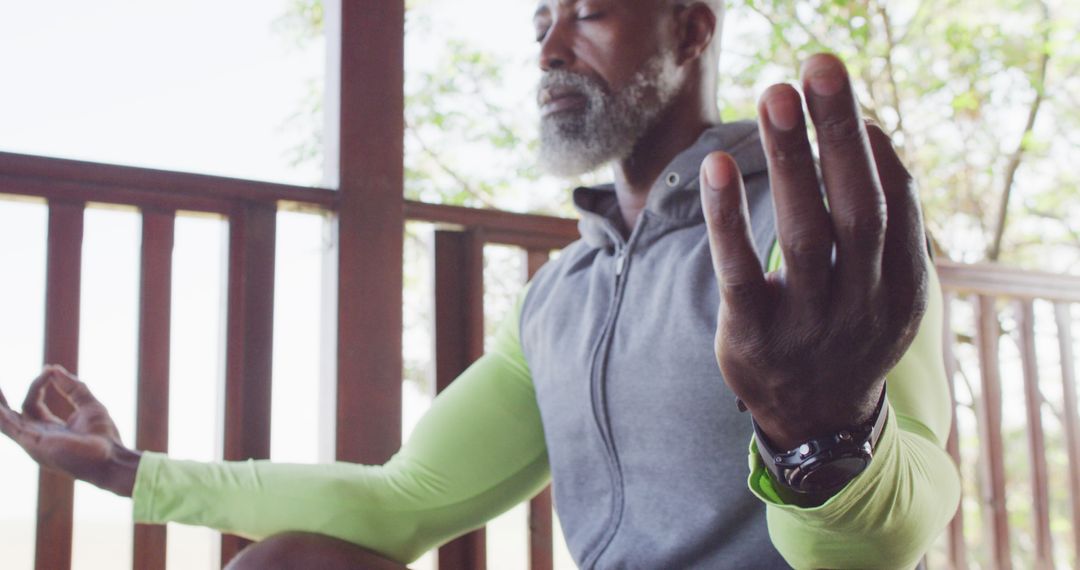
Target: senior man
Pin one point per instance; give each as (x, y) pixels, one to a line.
(699, 314)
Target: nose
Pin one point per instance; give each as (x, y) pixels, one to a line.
(555, 49)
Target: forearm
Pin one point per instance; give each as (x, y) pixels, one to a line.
(477, 452)
(886, 518)
(399, 510)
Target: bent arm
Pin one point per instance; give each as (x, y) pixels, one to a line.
(477, 452)
(889, 515)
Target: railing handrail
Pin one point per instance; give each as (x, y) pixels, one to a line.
(108, 179)
(75, 180)
(68, 184)
(1003, 281)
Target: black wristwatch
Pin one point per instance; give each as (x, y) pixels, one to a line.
(822, 465)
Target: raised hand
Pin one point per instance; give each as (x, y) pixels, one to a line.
(807, 349)
(85, 444)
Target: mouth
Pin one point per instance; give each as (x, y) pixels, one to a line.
(557, 100)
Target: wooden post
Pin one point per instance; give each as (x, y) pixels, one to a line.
(56, 491)
(250, 330)
(993, 450)
(371, 227)
(957, 545)
(459, 340)
(1044, 550)
(1072, 417)
(541, 542)
(152, 415)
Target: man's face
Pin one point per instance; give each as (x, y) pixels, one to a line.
(608, 72)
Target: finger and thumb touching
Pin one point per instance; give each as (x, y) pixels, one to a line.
(34, 404)
(71, 387)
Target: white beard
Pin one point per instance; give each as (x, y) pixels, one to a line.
(609, 126)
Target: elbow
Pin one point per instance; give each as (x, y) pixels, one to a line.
(891, 527)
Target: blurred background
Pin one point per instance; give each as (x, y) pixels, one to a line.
(981, 98)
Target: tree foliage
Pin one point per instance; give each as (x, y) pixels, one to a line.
(981, 99)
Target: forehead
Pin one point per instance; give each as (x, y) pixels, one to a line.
(546, 7)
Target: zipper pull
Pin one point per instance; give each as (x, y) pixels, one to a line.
(620, 262)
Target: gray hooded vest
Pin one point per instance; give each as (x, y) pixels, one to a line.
(648, 452)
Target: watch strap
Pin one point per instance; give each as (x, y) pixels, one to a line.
(790, 469)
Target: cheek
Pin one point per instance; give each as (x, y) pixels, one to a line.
(613, 55)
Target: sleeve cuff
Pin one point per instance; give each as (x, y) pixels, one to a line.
(762, 485)
(145, 486)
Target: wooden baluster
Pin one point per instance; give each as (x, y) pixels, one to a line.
(541, 555)
(1072, 417)
(993, 458)
(957, 545)
(1044, 551)
(459, 340)
(152, 415)
(56, 492)
(250, 341)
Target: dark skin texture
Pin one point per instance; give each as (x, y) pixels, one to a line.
(806, 349)
(84, 443)
(608, 40)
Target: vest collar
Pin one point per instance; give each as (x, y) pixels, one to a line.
(675, 194)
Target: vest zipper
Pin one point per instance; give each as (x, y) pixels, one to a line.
(598, 391)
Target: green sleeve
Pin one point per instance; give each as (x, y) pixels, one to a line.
(477, 452)
(889, 515)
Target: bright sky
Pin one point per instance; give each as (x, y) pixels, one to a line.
(199, 86)
(195, 86)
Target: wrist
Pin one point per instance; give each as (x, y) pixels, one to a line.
(787, 426)
(121, 471)
(813, 470)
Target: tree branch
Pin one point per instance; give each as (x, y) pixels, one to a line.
(1013, 164)
(890, 73)
(465, 186)
(792, 52)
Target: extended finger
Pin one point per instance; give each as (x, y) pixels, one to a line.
(802, 222)
(34, 405)
(904, 259)
(856, 202)
(739, 274)
(72, 388)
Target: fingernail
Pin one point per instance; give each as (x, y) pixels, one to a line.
(826, 79)
(716, 173)
(780, 108)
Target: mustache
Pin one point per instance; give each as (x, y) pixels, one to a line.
(560, 80)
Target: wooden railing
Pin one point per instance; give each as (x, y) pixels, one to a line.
(994, 295)
(460, 235)
(251, 209)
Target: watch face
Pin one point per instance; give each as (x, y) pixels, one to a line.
(833, 474)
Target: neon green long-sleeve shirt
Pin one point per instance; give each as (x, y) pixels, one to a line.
(480, 450)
